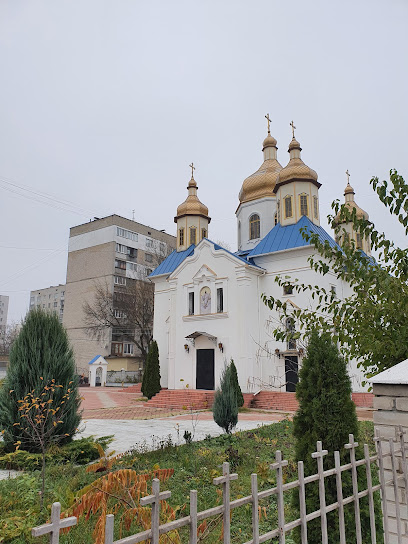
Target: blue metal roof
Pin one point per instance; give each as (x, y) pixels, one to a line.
(94, 359)
(289, 237)
(171, 262)
(169, 265)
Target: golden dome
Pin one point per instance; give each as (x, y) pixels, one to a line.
(261, 183)
(192, 205)
(296, 169)
(269, 141)
(351, 205)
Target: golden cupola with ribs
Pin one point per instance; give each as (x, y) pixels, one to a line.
(192, 217)
(256, 212)
(347, 229)
(297, 189)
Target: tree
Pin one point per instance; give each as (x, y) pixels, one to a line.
(39, 356)
(235, 384)
(371, 324)
(327, 413)
(126, 310)
(151, 376)
(225, 407)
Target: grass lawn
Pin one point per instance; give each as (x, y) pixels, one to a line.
(195, 465)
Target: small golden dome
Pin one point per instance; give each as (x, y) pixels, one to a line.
(192, 205)
(351, 205)
(269, 141)
(261, 183)
(296, 169)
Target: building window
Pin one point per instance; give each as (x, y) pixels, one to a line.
(149, 242)
(191, 303)
(128, 349)
(116, 348)
(276, 218)
(193, 235)
(118, 314)
(278, 210)
(123, 233)
(119, 280)
(148, 257)
(288, 206)
(288, 289)
(239, 234)
(181, 237)
(359, 241)
(315, 207)
(162, 248)
(220, 300)
(148, 271)
(203, 233)
(303, 205)
(254, 227)
(333, 290)
(120, 264)
(290, 329)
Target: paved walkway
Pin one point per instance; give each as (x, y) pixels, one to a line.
(149, 433)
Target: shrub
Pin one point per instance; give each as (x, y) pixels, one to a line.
(225, 408)
(40, 355)
(327, 413)
(151, 375)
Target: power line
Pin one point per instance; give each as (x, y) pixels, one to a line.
(35, 248)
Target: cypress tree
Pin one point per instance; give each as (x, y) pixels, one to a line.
(225, 407)
(327, 413)
(40, 354)
(235, 384)
(151, 376)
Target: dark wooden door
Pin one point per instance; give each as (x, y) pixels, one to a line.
(291, 372)
(205, 369)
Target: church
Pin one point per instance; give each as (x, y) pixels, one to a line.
(208, 308)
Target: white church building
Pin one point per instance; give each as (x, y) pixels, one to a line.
(208, 306)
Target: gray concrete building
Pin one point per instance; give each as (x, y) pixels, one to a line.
(110, 252)
(51, 299)
(4, 304)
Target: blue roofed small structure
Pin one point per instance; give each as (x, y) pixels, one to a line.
(94, 359)
(289, 237)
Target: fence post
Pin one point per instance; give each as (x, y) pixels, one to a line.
(390, 415)
(278, 466)
(225, 481)
(154, 499)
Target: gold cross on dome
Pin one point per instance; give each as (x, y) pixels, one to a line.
(269, 122)
(293, 128)
(192, 169)
(348, 177)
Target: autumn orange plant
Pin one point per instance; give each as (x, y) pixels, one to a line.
(119, 493)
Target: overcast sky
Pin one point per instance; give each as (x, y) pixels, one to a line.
(104, 104)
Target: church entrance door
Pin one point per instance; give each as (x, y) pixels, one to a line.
(291, 372)
(205, 369)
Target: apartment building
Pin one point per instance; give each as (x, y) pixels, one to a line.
(109, 252)
(51, 299)
(4, 304)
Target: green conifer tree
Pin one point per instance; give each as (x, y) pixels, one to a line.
(327, 413)
(151, 376)
(225, 407)
(235, 384)
(40, 354)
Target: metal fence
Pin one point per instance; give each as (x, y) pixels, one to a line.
(390, 452)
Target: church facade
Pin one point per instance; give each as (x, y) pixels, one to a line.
(208, 306)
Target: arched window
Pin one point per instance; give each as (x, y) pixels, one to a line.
(278, 210)
(181, 237)
(288, 206)
(276, 218)
(193, 235)
(254, 227)
(290, 331)
(304, 208)
(315, 207)
(203, 233)
(359, 241)
(239, 234)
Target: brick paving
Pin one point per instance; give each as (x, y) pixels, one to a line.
(108, 403)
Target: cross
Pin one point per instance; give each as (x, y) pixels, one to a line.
(154, 500)
(269, 121)
(192, 169)
(351, 445)
(319, 454)
(293, 129)
(348, 177)
(53, 528)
